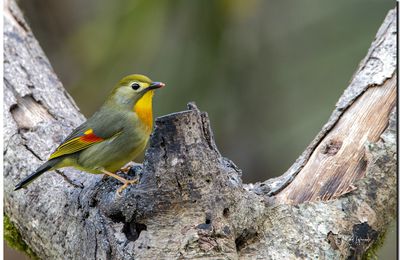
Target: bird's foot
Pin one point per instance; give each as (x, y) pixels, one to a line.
(126, 184)
(131, 169)
(125, 169)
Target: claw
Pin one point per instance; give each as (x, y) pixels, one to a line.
(126, 184)
(125, 169)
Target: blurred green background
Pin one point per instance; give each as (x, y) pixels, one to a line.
(267, 72)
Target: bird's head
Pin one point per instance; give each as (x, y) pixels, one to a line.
(133, 89)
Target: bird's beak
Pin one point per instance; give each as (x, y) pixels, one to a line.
(155, 85)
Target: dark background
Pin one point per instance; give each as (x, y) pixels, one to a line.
(267, 72)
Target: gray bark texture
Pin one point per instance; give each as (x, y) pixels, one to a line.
(335, 202)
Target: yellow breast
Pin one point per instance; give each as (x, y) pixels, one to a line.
(144, 110)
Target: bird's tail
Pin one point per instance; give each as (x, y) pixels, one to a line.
(39, 171)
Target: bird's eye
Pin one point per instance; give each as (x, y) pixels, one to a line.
(135, 86)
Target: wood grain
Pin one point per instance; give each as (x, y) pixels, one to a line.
(339, 160)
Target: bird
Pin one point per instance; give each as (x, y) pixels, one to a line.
(114, 135)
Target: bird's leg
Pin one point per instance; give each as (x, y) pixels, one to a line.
(125, 169)
(123, 180)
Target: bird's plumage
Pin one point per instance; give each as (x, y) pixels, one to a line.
(113, 136)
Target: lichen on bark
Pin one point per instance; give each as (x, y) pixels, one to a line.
(14, 239)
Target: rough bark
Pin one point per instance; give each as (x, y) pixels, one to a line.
(334, 202)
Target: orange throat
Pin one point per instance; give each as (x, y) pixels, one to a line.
(143, 109)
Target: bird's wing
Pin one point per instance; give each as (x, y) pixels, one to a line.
(80, 139)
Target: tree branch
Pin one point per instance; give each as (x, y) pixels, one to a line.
(335, 201)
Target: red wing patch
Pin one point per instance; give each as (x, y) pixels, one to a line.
(90, 137)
